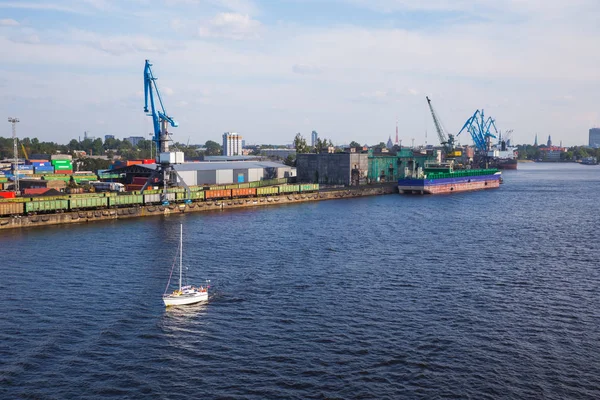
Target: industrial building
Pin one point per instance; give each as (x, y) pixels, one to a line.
(333, 169)
(232, 144)
(360, 168)
(595, 137)
(215, 173)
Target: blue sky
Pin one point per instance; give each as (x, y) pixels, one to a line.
(268, 69)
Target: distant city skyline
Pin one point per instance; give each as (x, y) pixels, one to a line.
(272, 69)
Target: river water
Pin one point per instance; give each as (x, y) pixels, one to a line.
(491, 294)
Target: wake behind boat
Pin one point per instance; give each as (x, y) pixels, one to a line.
(184, 294)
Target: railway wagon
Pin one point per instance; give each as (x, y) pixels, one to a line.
(155, 198)
(309, 187)
(46, 205)
(217, 194)
(289, 189)
(243, 192)
(77, 203)
(267, 191)
(10, 208)
(197, 195)
(124, 200)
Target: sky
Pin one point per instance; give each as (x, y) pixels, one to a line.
(349, 69)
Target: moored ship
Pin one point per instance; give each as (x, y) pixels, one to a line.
(441, 178)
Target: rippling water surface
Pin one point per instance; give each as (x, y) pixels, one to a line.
(492, 294)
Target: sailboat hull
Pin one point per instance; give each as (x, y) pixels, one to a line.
(184, 299)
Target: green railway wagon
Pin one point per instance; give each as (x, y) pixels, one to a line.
(217, 187)
(267, 190)
(232, 186)
(126, 200)
(88, 202)
(197, 195)
(309, 187)
(181, 196)
(46, 205)
(289, 188)
(196, 188)
(254, 184)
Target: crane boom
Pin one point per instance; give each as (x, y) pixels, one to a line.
(438, 125)
(446, 140)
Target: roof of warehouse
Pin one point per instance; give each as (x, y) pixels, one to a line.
(213, 165)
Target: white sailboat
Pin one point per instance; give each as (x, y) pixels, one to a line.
(185, 294)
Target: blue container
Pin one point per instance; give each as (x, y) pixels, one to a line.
(41, 164)
(43, 169)
(25, 167)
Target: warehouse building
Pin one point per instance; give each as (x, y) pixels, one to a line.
(215, 173)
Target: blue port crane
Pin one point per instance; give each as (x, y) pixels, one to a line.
(160, 118)
(479, 129)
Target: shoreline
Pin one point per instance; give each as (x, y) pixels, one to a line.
(107, 214)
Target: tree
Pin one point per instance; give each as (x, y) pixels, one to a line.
(300, 144)
(354, 144)
(290, 160)
(212, 148)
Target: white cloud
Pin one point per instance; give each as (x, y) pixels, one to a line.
(40, 6)
(8, 22)
(231, 26)
(305, 69)
(27, 38)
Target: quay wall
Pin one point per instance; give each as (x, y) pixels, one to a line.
(89, 216)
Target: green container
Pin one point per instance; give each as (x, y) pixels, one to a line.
(289, 188)
(126, 200)
(88, 202)
(46, 205)
(268, 190)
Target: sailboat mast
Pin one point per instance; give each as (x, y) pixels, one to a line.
(180, 253)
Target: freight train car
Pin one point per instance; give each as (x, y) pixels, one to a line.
(46, 206)
(9, 208)
(80, 203)
(217, 194)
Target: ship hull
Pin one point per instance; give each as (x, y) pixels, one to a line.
(449, 185)
(506, 164)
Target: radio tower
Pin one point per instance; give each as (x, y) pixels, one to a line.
(397, 141)
(14, 121)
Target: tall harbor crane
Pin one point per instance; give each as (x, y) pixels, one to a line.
(446, 139)
(479, 128)
(165, 159)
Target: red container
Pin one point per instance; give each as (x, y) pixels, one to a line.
(7, 195)
(133, 188)
(63, 172)
(35, 190)
(133, 162)
(148, 161)
(243, 192)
